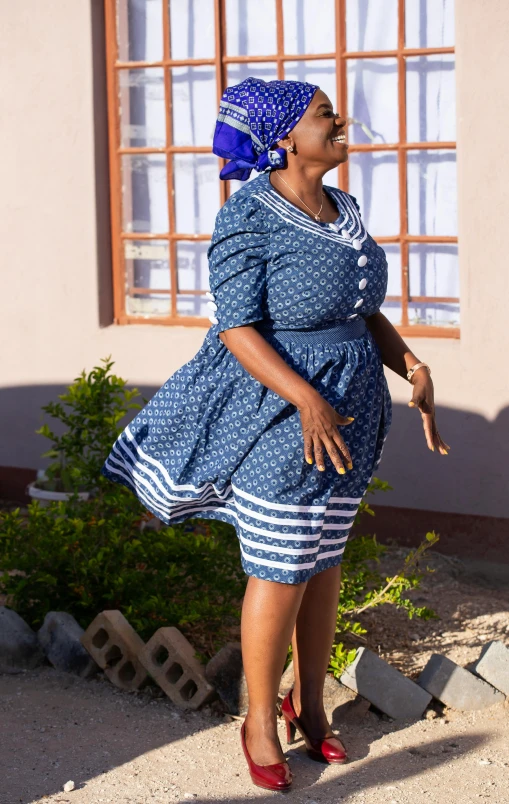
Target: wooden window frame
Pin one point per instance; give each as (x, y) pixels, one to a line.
(220, 62)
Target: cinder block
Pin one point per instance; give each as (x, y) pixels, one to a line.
(385, 687)
(170, 660)
(225, 672)
(455, 686)
(115, 646)
(493, 666)
(59, 637)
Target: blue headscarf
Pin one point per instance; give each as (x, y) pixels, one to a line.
(253, 115)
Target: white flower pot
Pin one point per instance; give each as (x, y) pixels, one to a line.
(45, 496)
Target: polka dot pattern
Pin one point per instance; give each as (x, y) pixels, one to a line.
(215, 443)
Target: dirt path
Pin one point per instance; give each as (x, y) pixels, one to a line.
(133, 748)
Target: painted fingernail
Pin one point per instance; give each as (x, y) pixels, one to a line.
(309, 460)
(350, 465)
(321, 468)
(411, 405)
(350, 418)
(342, 471)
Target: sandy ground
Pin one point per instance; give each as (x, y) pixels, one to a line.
(134, 747)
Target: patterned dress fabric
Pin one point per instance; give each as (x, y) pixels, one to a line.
(253, 116)
(215, 443)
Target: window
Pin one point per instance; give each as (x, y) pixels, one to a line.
(389, 67)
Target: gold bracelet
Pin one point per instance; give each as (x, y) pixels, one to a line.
(411, 371)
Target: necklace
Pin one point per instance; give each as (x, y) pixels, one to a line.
(316, 215)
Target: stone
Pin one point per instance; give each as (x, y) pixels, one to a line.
(385, 687)
(19, 648)
(68, 786)
(455, 686)
(170, 659)
(60, 639)
(493, 665)
(114, 644)
(225, 672)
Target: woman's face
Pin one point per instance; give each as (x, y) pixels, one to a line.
(314, 136)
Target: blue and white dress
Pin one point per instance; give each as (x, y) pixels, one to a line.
(215, 443)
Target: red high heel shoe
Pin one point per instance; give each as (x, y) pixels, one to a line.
(272, 777)
(324, 749)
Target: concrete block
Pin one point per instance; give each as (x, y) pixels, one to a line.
(19, 648)
(385, 687)
(493, 665)
(455, 686)
(59, 637)
(225, 672)
(170, 659)
(116, 647)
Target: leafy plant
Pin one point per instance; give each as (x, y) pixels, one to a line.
(89, 411)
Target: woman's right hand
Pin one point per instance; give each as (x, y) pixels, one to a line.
(319, 423)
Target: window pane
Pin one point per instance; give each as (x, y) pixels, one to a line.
(193, 274)
(371, 25)
(197, 191)
(433, 269)
(147, 266)
(432, 202)
(139, 30)
(429, 23)
(194, 105)
(250, 27)
(374, 183)
(392, 309)
(304, 30)
(431, 98)
(373, 100)
(322, 73)
(236, 73)
(192, 265)
(144, 193)
(192, 29)
(434, 314)
(142, 114)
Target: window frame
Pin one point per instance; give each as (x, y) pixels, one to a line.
(220, 62)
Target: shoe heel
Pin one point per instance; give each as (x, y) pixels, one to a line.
(290, 731)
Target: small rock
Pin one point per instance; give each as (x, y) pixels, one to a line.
(190, 795)
(68, 786)
(431, 714)
(225, 672)
(60, 639)
(19, 648)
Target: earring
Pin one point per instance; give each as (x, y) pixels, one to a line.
(290, 148)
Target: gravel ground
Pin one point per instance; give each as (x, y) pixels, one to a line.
(133, 747)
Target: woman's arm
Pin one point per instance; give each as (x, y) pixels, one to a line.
(319, 419)
(397, 356)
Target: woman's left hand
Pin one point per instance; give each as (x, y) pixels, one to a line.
(423, 399)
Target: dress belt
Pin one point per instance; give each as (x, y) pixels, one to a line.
(330, 335)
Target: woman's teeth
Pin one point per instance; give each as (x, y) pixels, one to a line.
(340, 138)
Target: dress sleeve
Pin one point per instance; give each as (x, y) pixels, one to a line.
(238, 261)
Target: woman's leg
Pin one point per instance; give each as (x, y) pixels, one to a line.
(269, 613)
(311, 646)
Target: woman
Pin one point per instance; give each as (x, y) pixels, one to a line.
(291, 371)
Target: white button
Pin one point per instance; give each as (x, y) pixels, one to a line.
(358, 303)
(209, 295)
(334, 226)
(357, 244)
(362, 284)
(353, 316)
(346, 234)
(361, 262)
(213, 319)
(213, 305)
